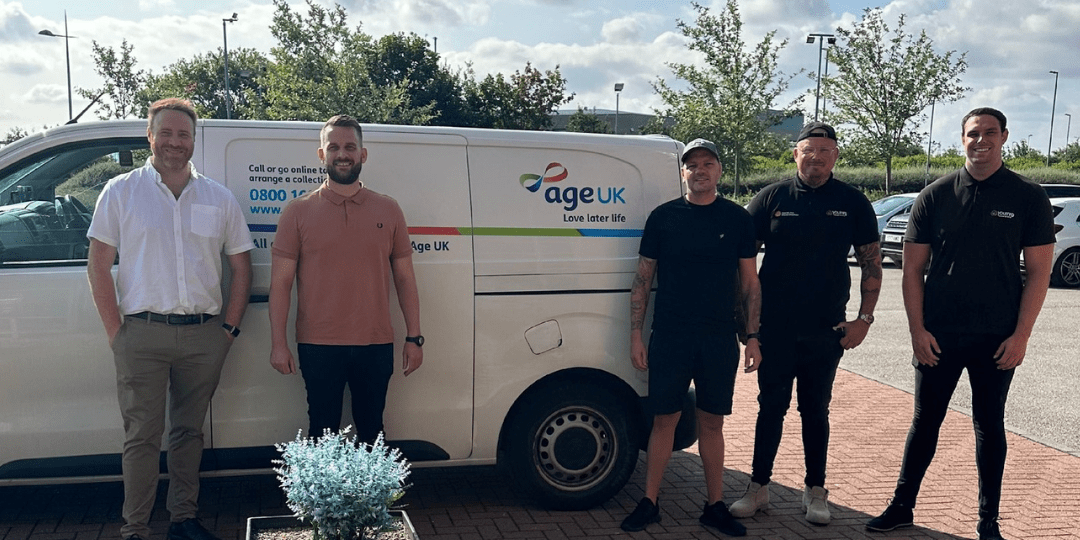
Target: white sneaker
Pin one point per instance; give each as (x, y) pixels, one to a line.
(816, 504)
(756, 498)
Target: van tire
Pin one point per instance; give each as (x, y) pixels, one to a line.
(570, 447)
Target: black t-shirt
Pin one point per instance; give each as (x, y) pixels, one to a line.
(697, 250)
(976, 231)
(805, 278)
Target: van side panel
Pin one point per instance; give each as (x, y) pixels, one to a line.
(428, 176)
(558, 223)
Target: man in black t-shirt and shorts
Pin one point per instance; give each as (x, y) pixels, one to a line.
(972, 310)
(808, 224)
(698, 247)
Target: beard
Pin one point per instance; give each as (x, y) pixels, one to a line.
(346, 178)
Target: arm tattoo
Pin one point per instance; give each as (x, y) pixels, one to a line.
(639, 292)
(869, 258)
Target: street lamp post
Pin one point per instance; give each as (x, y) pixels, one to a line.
(930, 143)
(67, 53)
(225, 36)
(821, 48)
(1068, 129)
(1053, 106)
(618, 89)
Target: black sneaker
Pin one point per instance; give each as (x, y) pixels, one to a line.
(988, 529)
(189, 529)
(894, 517)
(645, 514)
(717, 515)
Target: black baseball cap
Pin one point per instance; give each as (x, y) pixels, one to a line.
(817, 129)
(700, 143)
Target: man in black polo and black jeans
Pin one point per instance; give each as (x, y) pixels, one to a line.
(973, 310)
(808, 224)
(692, 244)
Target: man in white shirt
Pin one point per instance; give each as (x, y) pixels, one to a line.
(162, 315)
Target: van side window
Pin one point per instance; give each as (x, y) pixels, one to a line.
(47, 200)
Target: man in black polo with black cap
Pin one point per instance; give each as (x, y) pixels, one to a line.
(690, 244)
(808, 224)
(972, 310)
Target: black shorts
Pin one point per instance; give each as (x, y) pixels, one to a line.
(710, 359)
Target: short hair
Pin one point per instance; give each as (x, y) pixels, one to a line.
(981, 111)
(342, 120)
(171, 104)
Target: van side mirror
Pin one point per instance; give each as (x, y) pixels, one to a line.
(126, 159)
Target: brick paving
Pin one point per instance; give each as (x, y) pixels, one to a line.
(870, 420)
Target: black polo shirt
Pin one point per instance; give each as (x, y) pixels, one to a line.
(697, 249)
(805, 278)
(976, 231)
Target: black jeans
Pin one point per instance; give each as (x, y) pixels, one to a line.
(813, 361)
(328, 368)
(934, 387)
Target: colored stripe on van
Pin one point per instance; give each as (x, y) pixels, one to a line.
(498, 231)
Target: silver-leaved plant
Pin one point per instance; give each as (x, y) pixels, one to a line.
(343, 488)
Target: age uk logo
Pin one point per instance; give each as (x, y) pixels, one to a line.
(569, 196)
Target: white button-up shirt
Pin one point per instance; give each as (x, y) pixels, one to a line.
(170, 248)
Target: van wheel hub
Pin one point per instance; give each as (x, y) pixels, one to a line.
(573, 447)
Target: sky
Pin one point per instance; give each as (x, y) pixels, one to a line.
(1011, 47)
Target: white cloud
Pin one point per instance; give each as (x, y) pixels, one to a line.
(47, 94)
(155, 5)
(622, 30)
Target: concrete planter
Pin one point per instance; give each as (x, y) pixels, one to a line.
(255, 525)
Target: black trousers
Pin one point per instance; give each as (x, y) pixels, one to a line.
(813, 361)
(328, 368)
(934, 387)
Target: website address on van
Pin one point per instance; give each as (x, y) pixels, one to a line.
(265, 209)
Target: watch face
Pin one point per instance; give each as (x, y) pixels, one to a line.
(418, 340)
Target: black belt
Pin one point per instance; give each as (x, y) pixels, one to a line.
(173, 318)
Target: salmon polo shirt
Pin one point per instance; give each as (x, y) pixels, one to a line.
(343, 247)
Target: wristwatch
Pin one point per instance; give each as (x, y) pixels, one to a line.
(232, 330)
(753, 335)
(866, 318)
(418, 340)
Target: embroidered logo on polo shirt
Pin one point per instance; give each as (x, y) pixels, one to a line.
(1002, 214)
(836, 213)
(785, 214)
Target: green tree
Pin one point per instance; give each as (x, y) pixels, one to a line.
(407, 61)
(524, 101)
(13, 135)
(201, 79)
(586, 122)
(1069, 154)
(319, 70)
(728, 100)
(122, 82)
(884, 78)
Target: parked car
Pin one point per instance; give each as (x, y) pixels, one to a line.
(1067, 248)
(1060, 191)
(525, 247)
(892, 238)
(888, 207)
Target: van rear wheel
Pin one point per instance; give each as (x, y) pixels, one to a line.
(571, 447)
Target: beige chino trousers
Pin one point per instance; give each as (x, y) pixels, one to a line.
(158, 363)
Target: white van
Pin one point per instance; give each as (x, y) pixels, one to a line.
(525, 247)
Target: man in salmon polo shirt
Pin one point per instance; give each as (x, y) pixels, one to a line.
(343, 244)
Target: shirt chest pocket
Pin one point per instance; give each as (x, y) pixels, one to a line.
(206, 220)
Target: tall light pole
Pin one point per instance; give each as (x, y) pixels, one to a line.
(1068, 129)
(618, 89)
(825, 98)
(67, 53)
(1053, 106)
(225, 36)
(821, 48)
(930, 143)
